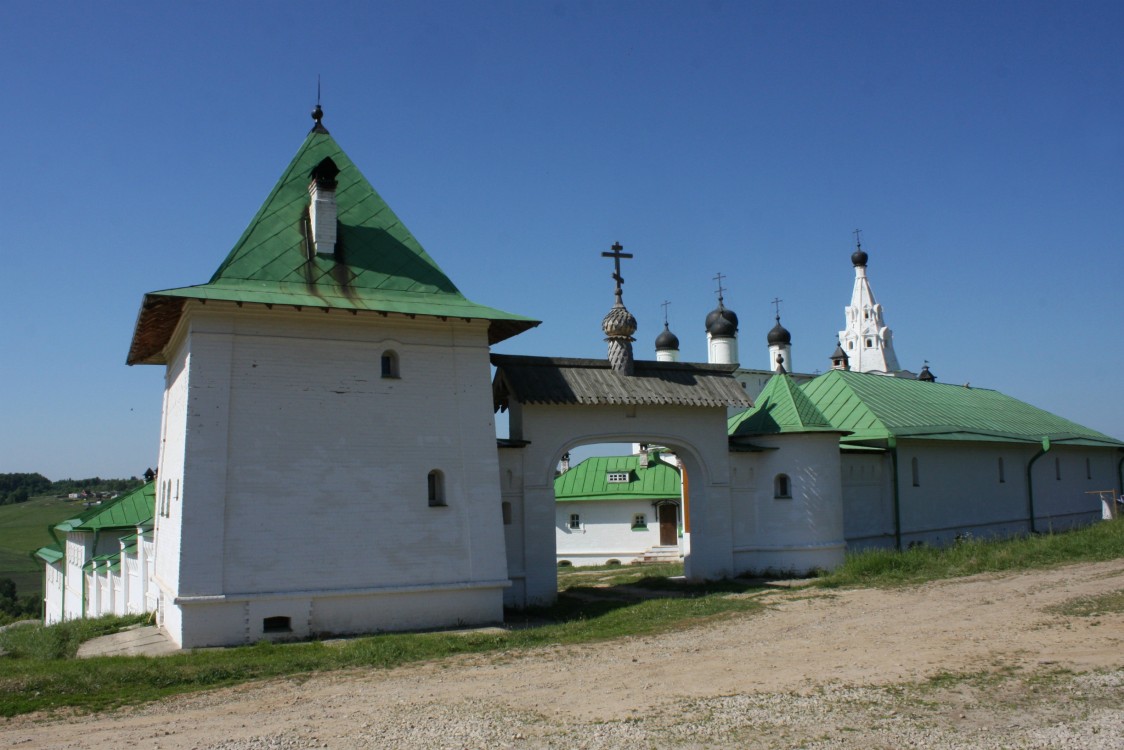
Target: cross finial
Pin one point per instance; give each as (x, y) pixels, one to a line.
(858, 238)
(777, 304)
(665, 304)
(616, 255)
(719, 278)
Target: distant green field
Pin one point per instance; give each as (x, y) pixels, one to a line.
(23, 529)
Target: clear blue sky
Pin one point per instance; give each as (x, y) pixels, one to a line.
(980, 147)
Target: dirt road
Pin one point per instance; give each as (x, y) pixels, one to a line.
(970, 663)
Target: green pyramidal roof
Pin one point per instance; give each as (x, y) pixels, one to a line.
(781, 408)
(875, 407)
(589, 480)
(377, 266)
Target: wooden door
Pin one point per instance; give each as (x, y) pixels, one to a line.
(669, 525)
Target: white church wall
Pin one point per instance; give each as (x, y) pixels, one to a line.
(605, 531)
(797, 532)
(78, 550)
(511, 487)
(53, 592)
(173, 436)
(868, 501)
(307, 456)
(1063, 479)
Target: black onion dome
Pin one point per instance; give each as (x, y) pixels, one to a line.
(722, 322)
(859, 257)
(667, 341)
(779, 334)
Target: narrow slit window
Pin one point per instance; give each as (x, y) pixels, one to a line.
(1002, 473)
(1058, 468)
(436, 489)
(916, 472)
(390, 364)
(782, 486)
(1088, 468)
(506, 506)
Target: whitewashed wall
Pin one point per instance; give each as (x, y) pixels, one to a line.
(959, 491)
(605, 531)
(305, 475)
(795, 534)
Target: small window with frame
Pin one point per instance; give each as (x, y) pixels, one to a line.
(782, 487)
(436, 489)
(639, 522)
(389, 364)
(575, 521)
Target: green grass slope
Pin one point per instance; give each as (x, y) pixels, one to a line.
(23, 529)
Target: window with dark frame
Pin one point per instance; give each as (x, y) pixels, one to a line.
(436, 489)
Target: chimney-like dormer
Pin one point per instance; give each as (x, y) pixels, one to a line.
(322, 209)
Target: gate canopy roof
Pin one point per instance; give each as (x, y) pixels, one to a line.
(562, 381)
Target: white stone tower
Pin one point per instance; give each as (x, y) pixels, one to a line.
(867, 341)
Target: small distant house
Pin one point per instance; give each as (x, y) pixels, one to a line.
(101, 562)
(619, 508)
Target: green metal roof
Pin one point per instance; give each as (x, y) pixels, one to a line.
(876, 407)
(123, 512)
(589, 480)
(378, 265)
(50, 554)
(781, 408)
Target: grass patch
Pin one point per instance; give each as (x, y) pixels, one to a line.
(1091, 606)
(1100, 541)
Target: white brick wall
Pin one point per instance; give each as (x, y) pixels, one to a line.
(304, 470)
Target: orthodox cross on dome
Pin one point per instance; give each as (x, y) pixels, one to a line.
(616, 255)
(777, 304)
(665, 305)
(719, 278)
(858, 238)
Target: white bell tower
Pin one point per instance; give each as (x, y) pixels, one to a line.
(866, 340)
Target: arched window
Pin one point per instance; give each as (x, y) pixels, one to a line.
(436, 489)
(390, 364)
(916, 472)
(782, 487)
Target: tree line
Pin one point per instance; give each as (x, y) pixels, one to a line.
(17, 487)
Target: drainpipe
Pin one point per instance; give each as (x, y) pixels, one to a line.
(1030, 482)
(1119, 478)
(892, 444)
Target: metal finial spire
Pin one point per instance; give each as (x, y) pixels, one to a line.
(858, 239)
(777, 304)
(616, 255)
(719, 278)
(665, 305)
(318, 113)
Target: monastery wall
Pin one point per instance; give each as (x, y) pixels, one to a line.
(795, 531)
(316, 466)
